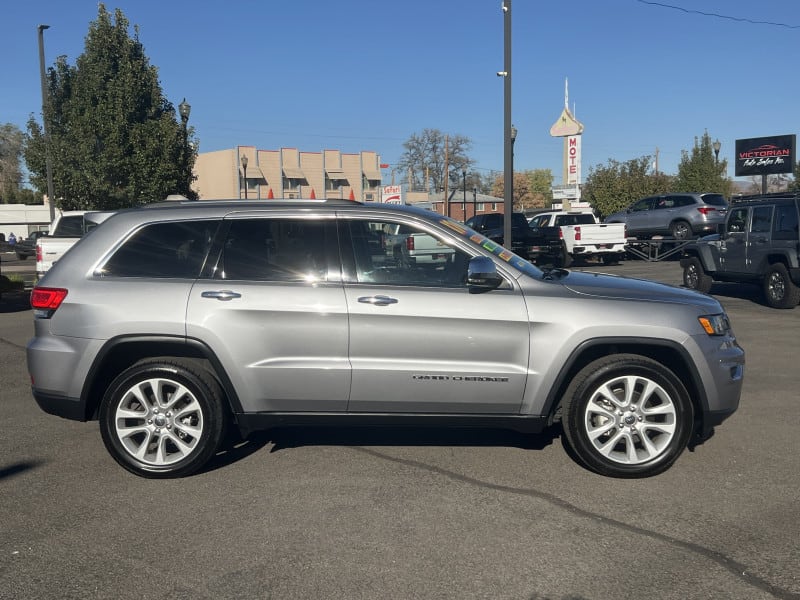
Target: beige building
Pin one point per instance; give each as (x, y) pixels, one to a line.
(247, 172)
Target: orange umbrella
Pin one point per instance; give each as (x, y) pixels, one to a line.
(270, 196)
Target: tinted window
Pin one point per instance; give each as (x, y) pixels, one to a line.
(71, 226)
(287, 250)
(714, 199)
(494, 221)
(518, 220)
(644, 204)
(679, 201)
(579, 219)
(738, 220)
(174, 249)
(762, 219)
(785, 222)
(411, 258)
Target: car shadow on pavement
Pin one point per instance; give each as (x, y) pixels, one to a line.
(742, 291)
(293, 437)
(16, 301)
(285, 438)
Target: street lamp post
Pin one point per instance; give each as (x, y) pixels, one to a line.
(184, 108)
(45, 104)
(716, 145)
(244, 168)
(464, 202)
(508, 167)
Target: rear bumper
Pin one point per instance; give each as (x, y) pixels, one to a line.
(60, 406)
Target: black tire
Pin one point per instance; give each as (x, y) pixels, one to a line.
(165, 436)
(681, 230)
(610, 259)
(779, 290)
(565, 260)
(695, 277)
(633, 437)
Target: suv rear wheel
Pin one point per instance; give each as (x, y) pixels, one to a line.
(627, 416)
(162, 418)
(779, 290)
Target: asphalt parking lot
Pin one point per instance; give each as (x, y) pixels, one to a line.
(409, 513)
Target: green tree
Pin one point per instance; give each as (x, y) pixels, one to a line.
(426, 154)
(795, 184)
(616, 185)
(115, 140)
(521, 197)
(541, 186)
(11, 138)
(700, 171)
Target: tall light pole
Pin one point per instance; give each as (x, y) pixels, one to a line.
(508, 151)
(464, 202)
(244, 168)
(45, 105)
(184, 108)
(716, 145)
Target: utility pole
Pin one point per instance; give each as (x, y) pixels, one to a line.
(45, 110)
(508, 153)
(656, 161)
(446, 175)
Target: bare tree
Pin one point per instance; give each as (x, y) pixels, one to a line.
(426, 153)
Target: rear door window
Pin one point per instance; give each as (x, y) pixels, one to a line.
(277, 249)
(762, 219)
(714, 199)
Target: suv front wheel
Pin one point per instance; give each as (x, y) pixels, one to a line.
(162, 418)
(627, 416)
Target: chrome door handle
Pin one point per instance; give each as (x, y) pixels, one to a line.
(221, 295)
(377, 300)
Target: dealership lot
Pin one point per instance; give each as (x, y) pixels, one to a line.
(409, 513)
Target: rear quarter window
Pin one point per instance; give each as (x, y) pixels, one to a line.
(163, 250)
(714, 199)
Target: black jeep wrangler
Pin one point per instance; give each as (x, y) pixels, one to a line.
(759, 243)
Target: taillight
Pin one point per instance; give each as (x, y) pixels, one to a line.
(38, 253)
(44, 298)
(706, 209)
(409, 243)
(577, 233)
(560, 233)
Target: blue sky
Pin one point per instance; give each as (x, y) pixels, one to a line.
(364, 75)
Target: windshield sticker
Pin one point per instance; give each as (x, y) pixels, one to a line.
(459, 229)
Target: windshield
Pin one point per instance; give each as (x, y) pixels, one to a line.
(477, 239)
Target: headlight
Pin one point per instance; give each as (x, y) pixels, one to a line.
(715, 324)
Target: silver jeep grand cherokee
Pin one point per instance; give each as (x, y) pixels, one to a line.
(173, 324)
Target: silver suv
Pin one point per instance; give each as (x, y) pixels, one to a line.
(682, 216)
(173, 324)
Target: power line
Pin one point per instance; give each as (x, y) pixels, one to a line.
(719, 16)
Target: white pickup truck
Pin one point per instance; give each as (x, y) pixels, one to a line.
(562, 236)
(65, 231)
(413, 247)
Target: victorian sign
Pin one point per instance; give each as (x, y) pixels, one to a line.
(766, 155)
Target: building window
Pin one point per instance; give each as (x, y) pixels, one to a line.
(494, 206)
(481, 207)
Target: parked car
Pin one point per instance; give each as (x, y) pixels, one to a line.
(492, 225)
(759, 244)
(27, 247)
(172, 324)
(682, 216)
(563, 236)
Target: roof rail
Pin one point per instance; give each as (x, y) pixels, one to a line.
(789, 194)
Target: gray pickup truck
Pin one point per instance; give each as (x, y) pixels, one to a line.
(758, 244)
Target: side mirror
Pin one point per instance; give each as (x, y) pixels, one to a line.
(482, 275)
(721, 229)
